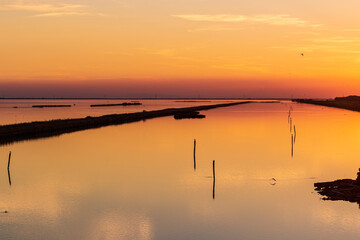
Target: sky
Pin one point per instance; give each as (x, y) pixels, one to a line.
(179, 48)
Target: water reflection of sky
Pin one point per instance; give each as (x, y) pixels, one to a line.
(21, 110)
(137, 181)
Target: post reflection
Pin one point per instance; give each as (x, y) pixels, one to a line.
(292, 145)
(9, 176)
(292, 130)
(213, 188)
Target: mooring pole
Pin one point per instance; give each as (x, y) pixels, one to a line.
(9, 161)
(194, 154)
(213, 179)
(214, 169)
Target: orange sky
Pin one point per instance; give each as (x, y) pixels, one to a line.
(252, 46)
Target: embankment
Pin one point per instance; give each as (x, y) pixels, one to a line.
(33, 130)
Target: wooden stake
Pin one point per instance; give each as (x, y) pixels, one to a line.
(213, 179)
(194, 154)
(214, 169)
(9, 161)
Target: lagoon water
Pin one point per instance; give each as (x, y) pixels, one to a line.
(21, 110)
(137, 181)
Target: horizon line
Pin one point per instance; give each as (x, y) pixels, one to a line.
(153, 98)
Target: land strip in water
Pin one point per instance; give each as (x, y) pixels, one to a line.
(49, 106)
(349, 103)
(33, 130)
(116, 104)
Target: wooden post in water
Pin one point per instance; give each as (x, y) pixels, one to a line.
(213, 179)
(214, 169)
(195, 154)
(9, 161)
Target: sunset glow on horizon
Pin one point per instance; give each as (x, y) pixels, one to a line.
(164, 48)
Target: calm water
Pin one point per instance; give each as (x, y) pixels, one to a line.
(137, 181)
(17, 111)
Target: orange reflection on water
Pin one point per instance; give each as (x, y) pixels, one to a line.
(138, 180)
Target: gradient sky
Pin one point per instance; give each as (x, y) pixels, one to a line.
(189, 48)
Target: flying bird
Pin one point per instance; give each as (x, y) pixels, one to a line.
(302, 54)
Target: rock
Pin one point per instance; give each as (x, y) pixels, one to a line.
(342, 189)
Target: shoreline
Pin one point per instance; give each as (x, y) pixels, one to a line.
(342, 103)
(33, 130)
(143, 98)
